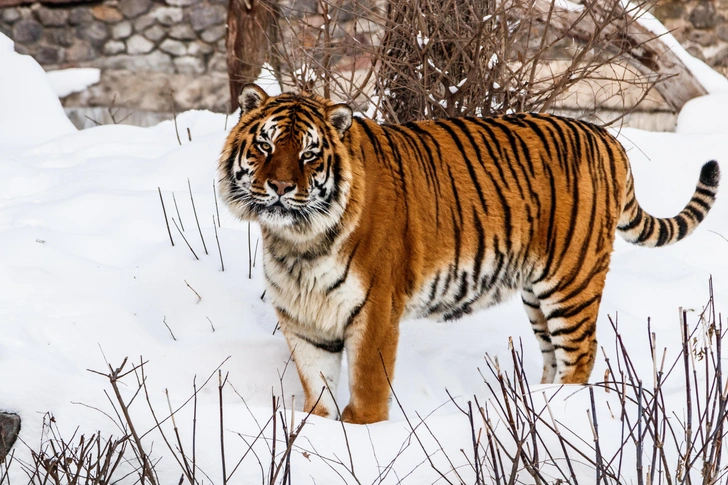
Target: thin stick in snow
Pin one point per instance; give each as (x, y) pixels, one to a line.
(189, 186)
(170, 330)
(211, 325)
(174, 115)
(176, 208)
(166, 221)
(222, 264)
(214, 196)
(220, 385)
(255, 253)
(199, 298)
(189, 134)
(185, 239)
(250, 256)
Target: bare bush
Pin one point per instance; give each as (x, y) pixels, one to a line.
(406, 60)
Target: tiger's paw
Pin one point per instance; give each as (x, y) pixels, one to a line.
(356, 415)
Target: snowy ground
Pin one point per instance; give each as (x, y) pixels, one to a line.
(88, 276)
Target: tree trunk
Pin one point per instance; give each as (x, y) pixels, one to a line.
(646, 51)
(250, 35)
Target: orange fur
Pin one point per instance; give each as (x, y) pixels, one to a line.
(366, 224)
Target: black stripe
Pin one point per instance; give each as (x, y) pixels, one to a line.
(570, 311)
(357, 309)
(343, 277)
(446, 126)
(333, 346)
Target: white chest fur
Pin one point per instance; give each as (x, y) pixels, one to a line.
(318, 295)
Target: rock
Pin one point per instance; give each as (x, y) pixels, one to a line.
(63, 37)
(105, 13)
(718, 60)
(202, 17)
(10, 15)
(95, 32)
(181, 3)
(122, 30)
(155, 33)
(9, 429)
(80, 15)
(301, 8)
(168, 15)
(144, 22)
(23, 49)
(80, 51)
(49, 55)
(27, 31)
(722, 32)
(669, 10)
(702, 37)
(703, 16)
(213, 34)
(114, 47)
(218, 62)
(156, 61)
(52, 17)
(174, 47)
(138, 45)
(182, 32)
(198, 48)
(189, 65)
(134, 8)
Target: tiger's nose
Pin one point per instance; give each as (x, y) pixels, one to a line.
(281, 188)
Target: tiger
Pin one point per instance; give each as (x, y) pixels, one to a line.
(366, 224)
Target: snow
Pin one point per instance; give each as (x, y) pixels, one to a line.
(88, 276)
(31, 111)
(73, 80)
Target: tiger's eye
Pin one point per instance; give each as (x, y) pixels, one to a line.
(308, 155)
(264, 146)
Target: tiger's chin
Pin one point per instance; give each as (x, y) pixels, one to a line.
(295, 225)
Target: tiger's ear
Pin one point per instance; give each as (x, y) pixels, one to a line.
(250, 98)
(339, 115)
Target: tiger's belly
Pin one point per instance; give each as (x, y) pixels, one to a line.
(450, 293)
(318, 297)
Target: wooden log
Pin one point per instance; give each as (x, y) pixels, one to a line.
(626, 37)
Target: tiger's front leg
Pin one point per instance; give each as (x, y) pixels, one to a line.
(314, 358)
(371, 348)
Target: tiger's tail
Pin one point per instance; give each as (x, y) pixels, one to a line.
(638, 227)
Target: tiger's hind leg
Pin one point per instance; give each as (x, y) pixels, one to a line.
(571, 313)
(540, 329)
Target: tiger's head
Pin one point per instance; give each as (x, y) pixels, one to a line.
(284, 165)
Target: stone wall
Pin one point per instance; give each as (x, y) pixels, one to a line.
(701, 26)
(150, 51)
(160, 56)
(170, 36)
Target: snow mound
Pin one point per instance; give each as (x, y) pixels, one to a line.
(705, 114)
(31, 111)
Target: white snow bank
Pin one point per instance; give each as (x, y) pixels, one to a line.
(73, 80)
(30, 111)
(705, 114)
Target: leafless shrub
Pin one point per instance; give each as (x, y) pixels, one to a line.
(423, 59)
